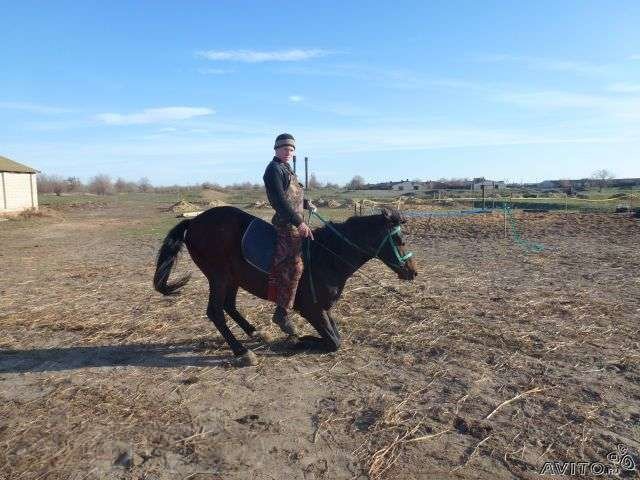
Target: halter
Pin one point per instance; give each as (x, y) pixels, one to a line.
(387, 238)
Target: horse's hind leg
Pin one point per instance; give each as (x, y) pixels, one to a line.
(215, 312)
(232, 311)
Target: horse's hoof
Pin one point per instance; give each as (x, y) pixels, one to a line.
(263, 335)
(309, 342)
(247, 359)
(288, 328)
(292, 339)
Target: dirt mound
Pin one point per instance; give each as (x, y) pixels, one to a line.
(212, 203)
(414, 201)
(259, 204)
(183, 206)
(41, 212)
(213, 195)
(331, 203)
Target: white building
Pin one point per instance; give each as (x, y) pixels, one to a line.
(18, 189)
(478, 183)
(408, 186)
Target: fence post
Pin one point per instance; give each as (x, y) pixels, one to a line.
(504, 210)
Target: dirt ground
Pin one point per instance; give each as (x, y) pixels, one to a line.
(493, 361)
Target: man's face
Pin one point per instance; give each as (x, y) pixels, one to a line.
(285, 153)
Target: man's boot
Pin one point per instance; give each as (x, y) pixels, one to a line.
(281, 318)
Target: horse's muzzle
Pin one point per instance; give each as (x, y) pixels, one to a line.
(407, 274)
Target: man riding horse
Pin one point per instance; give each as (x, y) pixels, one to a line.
(286, 196)
(333, 254)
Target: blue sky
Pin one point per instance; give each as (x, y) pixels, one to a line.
(185, 92)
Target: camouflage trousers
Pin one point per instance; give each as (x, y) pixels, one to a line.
(287, 267)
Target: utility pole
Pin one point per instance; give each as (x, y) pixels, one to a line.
(306, 172)
(294, 164)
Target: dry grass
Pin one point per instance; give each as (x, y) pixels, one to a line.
(494, 361)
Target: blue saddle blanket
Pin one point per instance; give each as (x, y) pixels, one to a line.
(259, 244)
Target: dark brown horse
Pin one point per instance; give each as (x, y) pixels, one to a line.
(213, 239)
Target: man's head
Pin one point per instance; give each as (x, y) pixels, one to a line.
(285, 146)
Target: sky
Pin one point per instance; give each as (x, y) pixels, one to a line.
(188, 92)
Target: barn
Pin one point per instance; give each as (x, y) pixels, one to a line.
(18, 189)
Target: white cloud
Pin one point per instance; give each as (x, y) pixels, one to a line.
(32, 107)
(215, 71)
(153, 115)
(627, 108)
(385, 77)
(622, 87)
(337, 108)
(537, 63)
(255, 56)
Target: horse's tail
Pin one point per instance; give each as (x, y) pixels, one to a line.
(167, 259)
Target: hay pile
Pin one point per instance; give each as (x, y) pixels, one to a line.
(259, 204)
(213, 203)
(415, 200)
(183, 206)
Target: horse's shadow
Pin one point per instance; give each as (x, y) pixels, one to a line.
(198, 353)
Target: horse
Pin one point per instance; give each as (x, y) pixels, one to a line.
(213, 240)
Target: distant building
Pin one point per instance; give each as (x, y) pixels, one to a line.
(407, 186)
(478, 183)
(18, 188)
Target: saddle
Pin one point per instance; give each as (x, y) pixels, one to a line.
(259, 244)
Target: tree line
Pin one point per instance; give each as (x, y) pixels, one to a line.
(103, 184)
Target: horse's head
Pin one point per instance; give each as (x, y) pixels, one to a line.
(390, 247)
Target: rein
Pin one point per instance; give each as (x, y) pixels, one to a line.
(388, 237)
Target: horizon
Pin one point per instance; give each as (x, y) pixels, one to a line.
(518, 93)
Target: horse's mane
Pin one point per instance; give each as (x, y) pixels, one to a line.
(357, 229)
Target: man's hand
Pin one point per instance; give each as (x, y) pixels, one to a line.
(305, 231)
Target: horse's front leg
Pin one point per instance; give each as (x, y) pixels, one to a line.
(325, 325)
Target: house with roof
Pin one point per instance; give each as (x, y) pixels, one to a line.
(18, 188)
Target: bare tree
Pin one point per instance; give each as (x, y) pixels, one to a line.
(313, 182)
(356, 183)
(144, 185)
(51, 184)
(101, 184)
(73, 184)
(120, 185)
(212, 186)
(602, 176)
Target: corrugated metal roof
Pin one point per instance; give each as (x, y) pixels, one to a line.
(7, 165)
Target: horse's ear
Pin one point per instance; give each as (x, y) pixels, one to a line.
(392, 216)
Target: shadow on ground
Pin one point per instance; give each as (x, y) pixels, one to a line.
(167, 355)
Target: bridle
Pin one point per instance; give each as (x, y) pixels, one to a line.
(402, 259)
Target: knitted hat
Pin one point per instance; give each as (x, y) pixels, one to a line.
(285, 139)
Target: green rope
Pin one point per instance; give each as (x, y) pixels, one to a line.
(337, 232)
(517, 238)
(307, 261)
